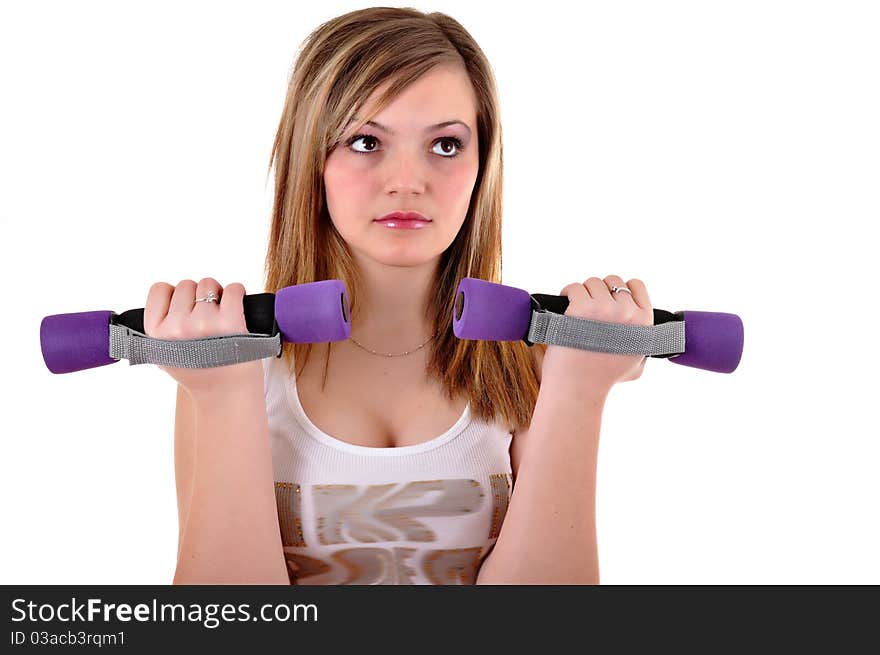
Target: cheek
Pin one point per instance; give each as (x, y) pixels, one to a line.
(459, 184)
(344, 183)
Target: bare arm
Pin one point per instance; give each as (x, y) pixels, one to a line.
(184, 447)
(549, 533)
(229, 530)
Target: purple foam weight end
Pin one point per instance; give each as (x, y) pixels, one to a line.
(316, 312)
(490, 311)
(713, 341)
(73, 342)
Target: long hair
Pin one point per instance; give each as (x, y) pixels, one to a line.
(338, 66)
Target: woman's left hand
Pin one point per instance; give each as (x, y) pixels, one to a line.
(594, 300)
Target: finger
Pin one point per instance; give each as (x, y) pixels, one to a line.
(206, 286)
(597, 288)
(617, 282)
(639, 293)
(232, 302)
(157, 306)
(181, 303)
(576, 293)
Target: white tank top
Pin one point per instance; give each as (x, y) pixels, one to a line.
(422, 514)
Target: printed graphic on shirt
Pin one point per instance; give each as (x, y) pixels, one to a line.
(395, 512)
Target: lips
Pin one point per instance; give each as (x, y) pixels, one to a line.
(406, 221)
(403, 216)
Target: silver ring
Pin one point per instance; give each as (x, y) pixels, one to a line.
(616, 288)
(211, 297)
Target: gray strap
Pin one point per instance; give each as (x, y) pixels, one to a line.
(208, 352)
(586, 334)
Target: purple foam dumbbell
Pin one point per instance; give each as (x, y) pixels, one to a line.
(496, 312)
(73, 342)
(316, 312)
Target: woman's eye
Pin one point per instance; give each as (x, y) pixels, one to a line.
(452, 143)
(357, 138)
(449, 146)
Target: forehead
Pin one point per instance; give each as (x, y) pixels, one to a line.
(443, 93)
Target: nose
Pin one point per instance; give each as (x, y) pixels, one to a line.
(405, 174)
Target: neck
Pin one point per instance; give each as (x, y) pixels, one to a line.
(392, 315)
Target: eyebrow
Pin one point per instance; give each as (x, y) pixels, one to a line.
(430, 128)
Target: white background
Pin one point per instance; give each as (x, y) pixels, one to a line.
(724, 153)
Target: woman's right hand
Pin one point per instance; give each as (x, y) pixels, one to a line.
(172, 313)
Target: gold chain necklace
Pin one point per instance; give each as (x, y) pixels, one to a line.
(391, 354)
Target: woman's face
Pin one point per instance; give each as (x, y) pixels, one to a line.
(409, 165)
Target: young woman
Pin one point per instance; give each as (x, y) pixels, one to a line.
(402, 455)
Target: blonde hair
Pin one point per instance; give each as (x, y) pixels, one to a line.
(339, 65)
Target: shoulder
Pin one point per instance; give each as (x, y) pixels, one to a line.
(521, 435)
(537, 354)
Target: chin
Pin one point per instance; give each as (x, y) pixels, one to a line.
(406, 258)
(407, 262)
